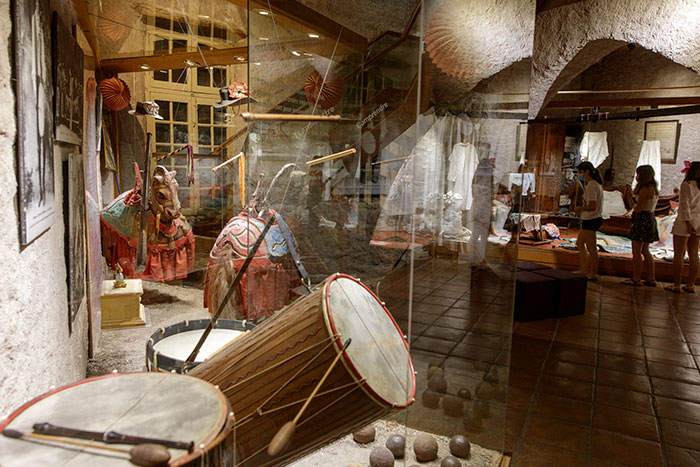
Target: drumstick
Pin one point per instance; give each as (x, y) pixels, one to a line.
(285, 433)
(147, 455)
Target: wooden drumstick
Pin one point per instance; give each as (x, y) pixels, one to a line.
(285, 433)
(146, 455)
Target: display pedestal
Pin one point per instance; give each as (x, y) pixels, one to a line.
(122, 307)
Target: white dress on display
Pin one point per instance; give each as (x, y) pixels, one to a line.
(594, 147)
(463, 162)
(650, 155)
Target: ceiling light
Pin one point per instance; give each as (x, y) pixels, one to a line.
(308, 54)
(263, 12)
(264, 38)
(313, 35)
(204, 16)
(143, 66)
(240, 59)
(257, 63)
(294, 52)
(192, 63)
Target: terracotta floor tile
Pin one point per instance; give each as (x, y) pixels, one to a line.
(652, 331)
(447, 293)
(518, 397)
(454, 323)
(567, 387)
(621, 349)
(532, 364)
(529, 345)
(564, 408)
(682, 457)
(672, 358)
(617, 325)
(557, 433)
(621, 363)
(522, 378)
(474, 352)
(515, 418)
(682, 434)
(694, 348)
(423, 318)
(448, 334)
(615, 447)
(678, 409)
(676, 389)
(431, 344)
(429, 308)
(622, 380)
(665, 344)
(570, 370)
(625, 422)
(535, 455)
(572, 354)
(626, 338)
(673, 372)
(693, 337)
(624, 399)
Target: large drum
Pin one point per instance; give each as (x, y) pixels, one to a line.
(269, 373)
(168, 348)
(153, 405)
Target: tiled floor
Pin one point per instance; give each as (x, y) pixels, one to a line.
(618, 385)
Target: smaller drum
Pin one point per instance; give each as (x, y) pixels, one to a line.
(153, 405)
(168, 348)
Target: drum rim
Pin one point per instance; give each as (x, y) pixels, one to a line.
(210, 443)
(346, 359)
(174, 364)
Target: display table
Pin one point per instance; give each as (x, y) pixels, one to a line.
(121, 307)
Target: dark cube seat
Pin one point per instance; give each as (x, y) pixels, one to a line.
(570, 295)
(530, 266)
(534, 296)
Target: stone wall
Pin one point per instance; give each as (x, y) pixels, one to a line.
(38, 350)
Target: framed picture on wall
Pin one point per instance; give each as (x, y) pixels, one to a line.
(668, 133)
(34, 90)
(68, 85)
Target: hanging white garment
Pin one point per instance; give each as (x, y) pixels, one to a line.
(650, 155)
(594, 147)
(524, 180)
(463, 162)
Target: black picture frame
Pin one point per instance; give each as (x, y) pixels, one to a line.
(36, 204)
(68, 84)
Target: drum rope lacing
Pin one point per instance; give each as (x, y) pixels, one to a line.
(249, 376)
(275, 461)
(369, 332)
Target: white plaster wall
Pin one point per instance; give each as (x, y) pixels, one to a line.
(668, 27)
(37, 350)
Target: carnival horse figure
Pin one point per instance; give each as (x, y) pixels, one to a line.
(170, 241)
(273, 273)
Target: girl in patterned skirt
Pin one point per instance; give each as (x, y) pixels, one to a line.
(644, 230)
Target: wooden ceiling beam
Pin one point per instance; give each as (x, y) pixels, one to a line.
(293, 15)
(632, 102)
(177, 60)
(81, 10)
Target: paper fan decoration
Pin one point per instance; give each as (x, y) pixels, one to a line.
(112, 24)
(328, 93)
(115, 93)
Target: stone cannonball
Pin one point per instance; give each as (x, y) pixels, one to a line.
(438, 383)
(425, 447)
(450, 461)
(397, 445)
(460, 446)
(434, 370)
(364, 435)
(430, 399)
(381, 457)
(452, 405)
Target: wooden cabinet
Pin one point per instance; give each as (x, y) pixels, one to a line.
(545, 149)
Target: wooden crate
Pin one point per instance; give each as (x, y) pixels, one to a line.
(122, 307)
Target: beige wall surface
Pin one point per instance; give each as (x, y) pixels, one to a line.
(38, 351)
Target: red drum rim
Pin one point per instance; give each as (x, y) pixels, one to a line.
(226, 422)
(346, 359)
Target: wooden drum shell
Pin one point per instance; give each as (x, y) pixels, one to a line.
(252, 370)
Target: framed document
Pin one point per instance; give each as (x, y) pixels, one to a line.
(667, 132)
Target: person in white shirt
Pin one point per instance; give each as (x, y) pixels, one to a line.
(685, 231)
(591, 220)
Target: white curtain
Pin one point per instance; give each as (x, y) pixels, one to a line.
(594, 147)
(650, 155)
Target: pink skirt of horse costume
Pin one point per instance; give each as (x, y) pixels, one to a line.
(120, 221)
(266, 285)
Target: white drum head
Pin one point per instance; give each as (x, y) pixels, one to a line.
(154, 405)
(179, 346)
(378, 352)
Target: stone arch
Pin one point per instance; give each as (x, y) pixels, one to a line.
(571, 38)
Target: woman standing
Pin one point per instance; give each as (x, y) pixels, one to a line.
(591, 220)
(644, 230)
(685, 231)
